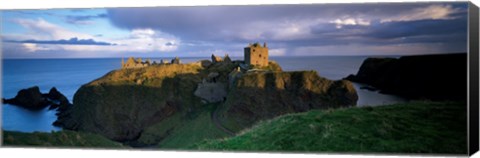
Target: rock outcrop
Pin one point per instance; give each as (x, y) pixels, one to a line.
(32, 99)
(263, 95)
(435, 77)
(119, 108)
(211, 89)
(58, 100)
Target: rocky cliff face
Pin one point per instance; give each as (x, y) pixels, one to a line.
(436, 77)
(263, 95)
(122, 104)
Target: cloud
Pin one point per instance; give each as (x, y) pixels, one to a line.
(291, 26)
(431, 12)
(71, 41)
(375, 50)
(84, 17)
(170, 44)
(71, 19)
(215, 23)
(350, 21)
(403, 29)
(277, 52)
(273, 22)
(42, 35)
(41, 29)
(149, 40)
(142, 33)
(288, 29)
(32, 47)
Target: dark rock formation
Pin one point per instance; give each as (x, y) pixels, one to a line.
(58, 100)
(435, 77)
(119, 108)
(263, 95)
(30, 98)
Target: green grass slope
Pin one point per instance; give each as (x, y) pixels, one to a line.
(58, 139)
(179, 132)
(417, 127)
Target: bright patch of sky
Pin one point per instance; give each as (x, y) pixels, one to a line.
(87, 21)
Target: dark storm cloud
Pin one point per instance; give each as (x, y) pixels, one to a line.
(169, 44)
(207, 22)
(233, 24)
(417, 28)
(421, 31)
(71, 41)
(83, 19)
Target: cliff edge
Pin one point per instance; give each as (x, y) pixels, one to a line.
(433, 77)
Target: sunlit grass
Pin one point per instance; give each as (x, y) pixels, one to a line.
(417, 127)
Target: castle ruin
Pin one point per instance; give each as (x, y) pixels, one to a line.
(256, 55)
(138, 63)
(132, 63)
(218, 59)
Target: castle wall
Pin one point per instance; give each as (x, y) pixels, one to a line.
(136, 65)
(132, 63)
(256, 56)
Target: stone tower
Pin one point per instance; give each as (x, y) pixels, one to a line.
(256, 55)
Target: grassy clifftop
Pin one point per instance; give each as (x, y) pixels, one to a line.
(417, 127)
(147, 76)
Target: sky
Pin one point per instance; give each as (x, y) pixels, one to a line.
(199, 31)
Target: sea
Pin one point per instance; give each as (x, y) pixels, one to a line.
(67, 75)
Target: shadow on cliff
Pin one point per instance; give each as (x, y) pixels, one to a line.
(122, 111)
(264, 96)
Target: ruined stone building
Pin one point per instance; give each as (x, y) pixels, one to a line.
(227, 59)
(164, 61)
(256, 55)
(218, 59)
(132, 63)
(175, 60)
